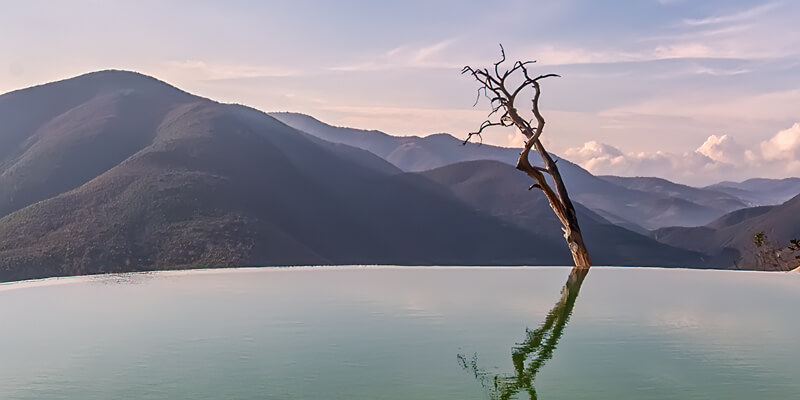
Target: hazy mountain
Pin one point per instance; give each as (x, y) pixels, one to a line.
(706, 197)
(126, 173)
(500, 190)
(761, 191)
(636, 209)
(409, 153)
(738, 216)
(59, 136)
(730, 238)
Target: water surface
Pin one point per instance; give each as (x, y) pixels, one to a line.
(402, 333)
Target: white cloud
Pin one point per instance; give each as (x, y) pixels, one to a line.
(568, 55)
(595, 153)
(722, 149)
(718, 158)
(702, 70)
(785, 145)
(685, 50)
(604, 159)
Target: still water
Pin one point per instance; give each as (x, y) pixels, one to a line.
(403, 333)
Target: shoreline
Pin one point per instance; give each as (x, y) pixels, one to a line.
(58, 280)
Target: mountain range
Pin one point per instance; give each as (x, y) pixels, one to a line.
(730, 240)
(116, 171)
(640, 203)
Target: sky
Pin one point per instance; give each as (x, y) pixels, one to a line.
(689, 90)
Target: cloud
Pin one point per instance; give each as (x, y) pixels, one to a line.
(604, 159)
(781, 152)
(571, 55)
(776, 106)
(784, 146)
(754, 34)
(721, 149)
(594, 154)
(735, 17)
(689, 50)
(429, 56)
(424, 55)
(720, 157)
(729, 47)
(702, 70)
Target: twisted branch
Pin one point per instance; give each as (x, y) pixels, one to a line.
(502, 100)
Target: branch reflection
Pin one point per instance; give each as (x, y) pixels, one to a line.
(531, 354)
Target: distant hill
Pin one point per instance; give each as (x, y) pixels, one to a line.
(502, 191)
(409, 153)
(761, 191)
(59, 136)
(621, 201)
(730, 238)
(705, 197)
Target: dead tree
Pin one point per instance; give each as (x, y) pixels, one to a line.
(495, 85)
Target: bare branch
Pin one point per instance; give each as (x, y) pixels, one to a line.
(484, 125)
(478, 97)
(529, 81)
(503, 59)
(502, 99)
(517, 65)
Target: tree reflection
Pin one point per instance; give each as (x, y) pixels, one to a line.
(531, 354)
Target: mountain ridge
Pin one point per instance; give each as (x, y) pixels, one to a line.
(638, 209)
(730, 238)
(500, 190)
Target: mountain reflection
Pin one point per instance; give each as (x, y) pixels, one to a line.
(532, 353)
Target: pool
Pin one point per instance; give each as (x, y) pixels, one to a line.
(403, 333)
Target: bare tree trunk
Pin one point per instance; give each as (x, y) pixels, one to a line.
(503, 99)
(561, 205)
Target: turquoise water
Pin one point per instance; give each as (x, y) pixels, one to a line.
(402, 333)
